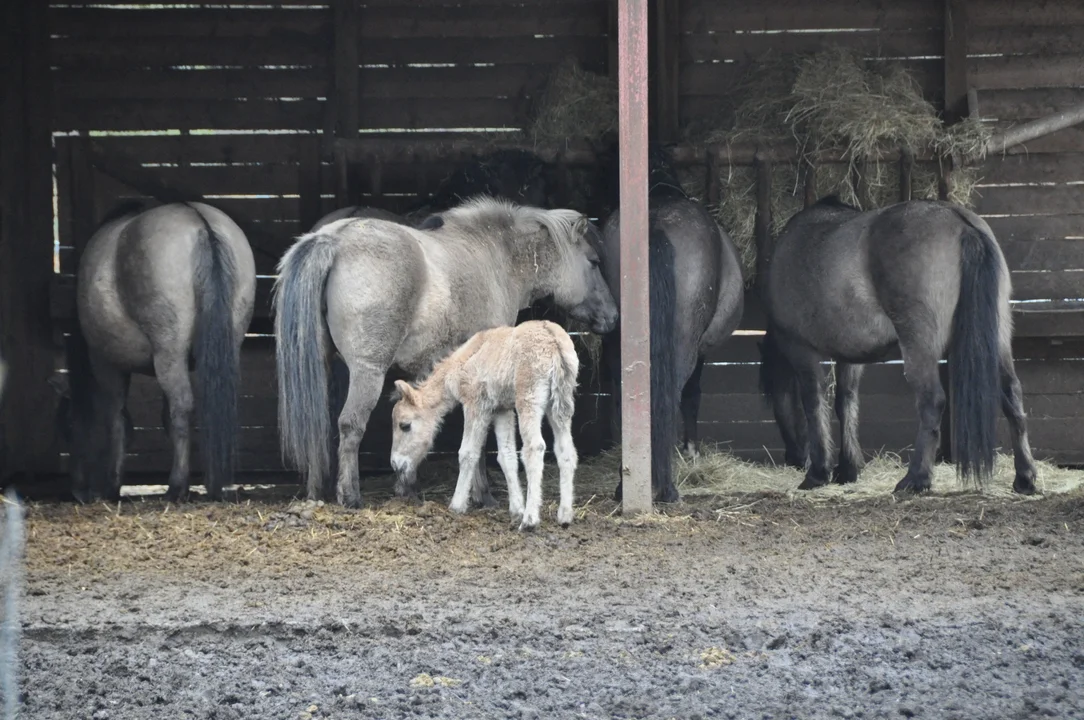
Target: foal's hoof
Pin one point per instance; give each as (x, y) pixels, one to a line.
(814, 479)
(1024, 484)
(845, 474)
(528, 525)
(564, 516)
(913, 483)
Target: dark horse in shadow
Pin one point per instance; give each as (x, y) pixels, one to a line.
(916, 279)
(158, 292)
(696, 303)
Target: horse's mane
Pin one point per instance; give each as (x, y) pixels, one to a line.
(564, 226)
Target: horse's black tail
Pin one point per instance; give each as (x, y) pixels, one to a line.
(664, 386)
(217, 357)
(974, 359)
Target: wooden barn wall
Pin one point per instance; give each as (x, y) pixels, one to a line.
(232, 101)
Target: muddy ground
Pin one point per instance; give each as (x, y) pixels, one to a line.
(730, 607)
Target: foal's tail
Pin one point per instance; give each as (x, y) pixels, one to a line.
(664, 386)
(564, 382)
(216, 351)
(974, 355)
(302, 352)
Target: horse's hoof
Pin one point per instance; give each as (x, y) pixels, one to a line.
(1024, 484)
(814, 478)
(845, 474)
(669, 495)
(913, 484)
(617, 493)
(351, 502)
(177, 495)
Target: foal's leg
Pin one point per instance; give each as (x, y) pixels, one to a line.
(690, 409)
(475, 428)
(114, 394)
(1012, 404)
(811, 385)
(565, 451)
(366, 382)
(920, 367)
(504, 426)
(534, 453)
(850, 450)
(171, 370)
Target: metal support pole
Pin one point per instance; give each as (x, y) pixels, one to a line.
(632, 60)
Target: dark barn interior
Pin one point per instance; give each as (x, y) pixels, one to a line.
(278, 112)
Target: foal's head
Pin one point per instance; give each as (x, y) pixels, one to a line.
(415, 421)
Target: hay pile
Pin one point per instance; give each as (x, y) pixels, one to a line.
(576, 105)
(835, 101)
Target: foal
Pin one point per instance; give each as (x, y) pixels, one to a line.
(529, 370)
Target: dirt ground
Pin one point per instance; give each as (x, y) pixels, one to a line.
(734, 606)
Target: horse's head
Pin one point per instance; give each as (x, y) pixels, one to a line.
(414, 427)
(580, 289)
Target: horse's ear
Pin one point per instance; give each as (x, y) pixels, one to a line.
(405, 391)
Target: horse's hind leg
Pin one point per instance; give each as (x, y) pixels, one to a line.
(172, 374)
(811, 383)
(504, 426)
(534, 452)
(850, 450)
(920, 365)
(114, 385)
(366, 382)
(1012, 404)
(690, 409)
(565, 451)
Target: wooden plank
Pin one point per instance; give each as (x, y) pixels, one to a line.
(528, 49)
(224, 24)
(667, 36)
(1055, 199)
(176, 84)
(1023, 72)
(144, 51)
(745, 407)
(1048, 285)
(1036, 227)
(1006, 169)
(1026, 39)
(1051, 377)
(873, 436)
(730, 15)
(346, 99)
(698, 46)
(1044, 254)
(1026, 13)
(1048, 322)
(412, 113)
(878, 379)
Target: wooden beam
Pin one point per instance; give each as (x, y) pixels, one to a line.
(82, 195)
(309, 180)
(762, 231)
(956, 81)
(347, 72)
(1036, 129)
(635, 311)
(665, 79)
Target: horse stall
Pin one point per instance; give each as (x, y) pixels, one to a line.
(741, 602)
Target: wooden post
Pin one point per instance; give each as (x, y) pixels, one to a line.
(635, 310)
(712, 185)
(667, 36)
(347, 90)
(907, 162)
(26, 247)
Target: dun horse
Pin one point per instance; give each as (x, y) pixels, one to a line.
(158, 292)
(696, 300)
(917, 278)
(528, 370)
(385, 295)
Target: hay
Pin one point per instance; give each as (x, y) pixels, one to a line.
(836, 102)
(576, 105)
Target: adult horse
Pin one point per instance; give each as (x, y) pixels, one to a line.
(916, 279)
(158, 292)
(385, 295)
(696, 300)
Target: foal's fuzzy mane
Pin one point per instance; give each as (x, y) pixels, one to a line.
(566, 227)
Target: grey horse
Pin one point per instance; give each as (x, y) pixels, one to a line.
(158, 292)
(914, 279)
(696, 301)
(383, 295)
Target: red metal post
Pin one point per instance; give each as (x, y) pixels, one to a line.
(632, 59)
